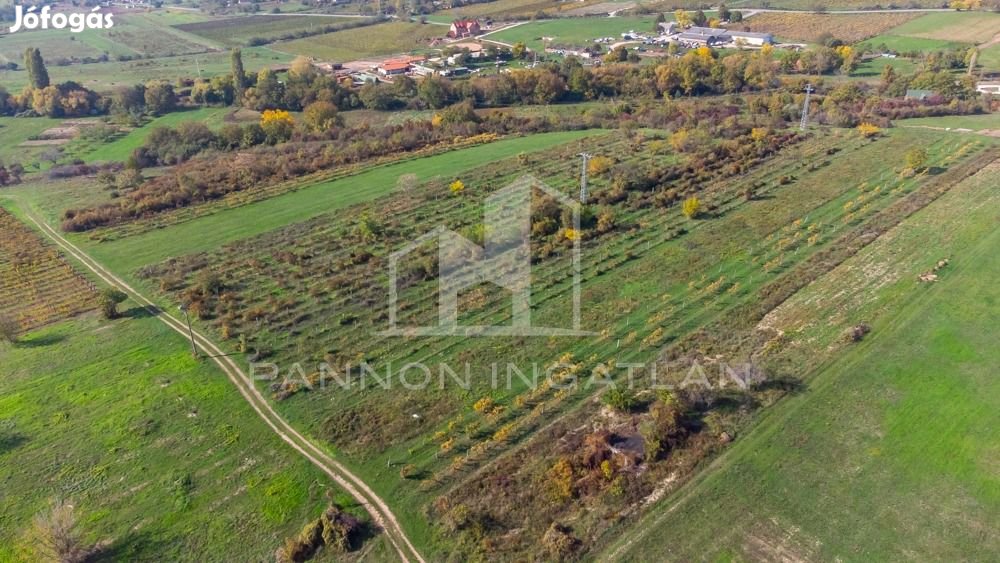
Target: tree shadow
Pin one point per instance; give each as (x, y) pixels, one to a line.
(41, 341)
(790, 385)
(935, 170)
(132, 547)
(141, 312)
(9, 442)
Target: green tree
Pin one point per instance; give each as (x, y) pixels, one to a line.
(38, 75)
(239, 75)
(109, 299)
(160, 98)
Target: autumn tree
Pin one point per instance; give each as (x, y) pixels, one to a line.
(916, 159)
(321, 116)
(277, 124)
(692, 207)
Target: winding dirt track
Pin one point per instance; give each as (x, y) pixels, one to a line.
(380, 513)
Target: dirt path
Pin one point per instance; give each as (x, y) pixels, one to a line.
(376, 507)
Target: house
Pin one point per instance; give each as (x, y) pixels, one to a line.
(988, 88)
(464, 28)
(750, 38)
(393, 68)
(914, 94)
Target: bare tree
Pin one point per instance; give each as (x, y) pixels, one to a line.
(54, 537)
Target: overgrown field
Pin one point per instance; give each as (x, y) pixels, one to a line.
(809, 27)
(225, 223)
(37, 286)
(157, 452)
(888, 452)
(305, 293)
(366, 42)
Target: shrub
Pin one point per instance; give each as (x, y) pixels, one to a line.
(109, 299)
(869, 130)
(619, 399)
(692, 207)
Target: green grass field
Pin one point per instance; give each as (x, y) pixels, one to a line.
(361, 43)
(872, 68)
(15, 131)
(157, 452)
(973, 122)
(573, 31)
(963, 27)
(889, 451)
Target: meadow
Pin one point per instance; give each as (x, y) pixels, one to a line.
(573, 31)
(16, 131)
(888, 451)
(941, 31)
(156, 450)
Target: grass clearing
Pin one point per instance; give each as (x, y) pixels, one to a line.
(575, 32)
(889, 450)
(960, 27)
(990, 121)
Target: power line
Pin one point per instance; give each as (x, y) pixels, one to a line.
(805, 108)
(583, 177)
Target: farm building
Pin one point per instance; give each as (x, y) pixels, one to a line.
(393, 68)
(750, 38)
(988, 87)
(464, 28)
(703, 36)
(667, 28)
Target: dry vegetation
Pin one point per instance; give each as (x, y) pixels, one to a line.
(37, 286)
(808, 27)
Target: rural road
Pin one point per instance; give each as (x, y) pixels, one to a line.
(380, 513)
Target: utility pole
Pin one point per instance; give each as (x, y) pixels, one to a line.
(194, 350)
(805, 107)
(583, 177)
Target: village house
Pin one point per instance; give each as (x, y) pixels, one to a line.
(988, 87)
(464, 28)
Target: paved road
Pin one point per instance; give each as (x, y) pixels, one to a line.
(380, 513)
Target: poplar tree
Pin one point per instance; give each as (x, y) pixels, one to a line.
(38, 76)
